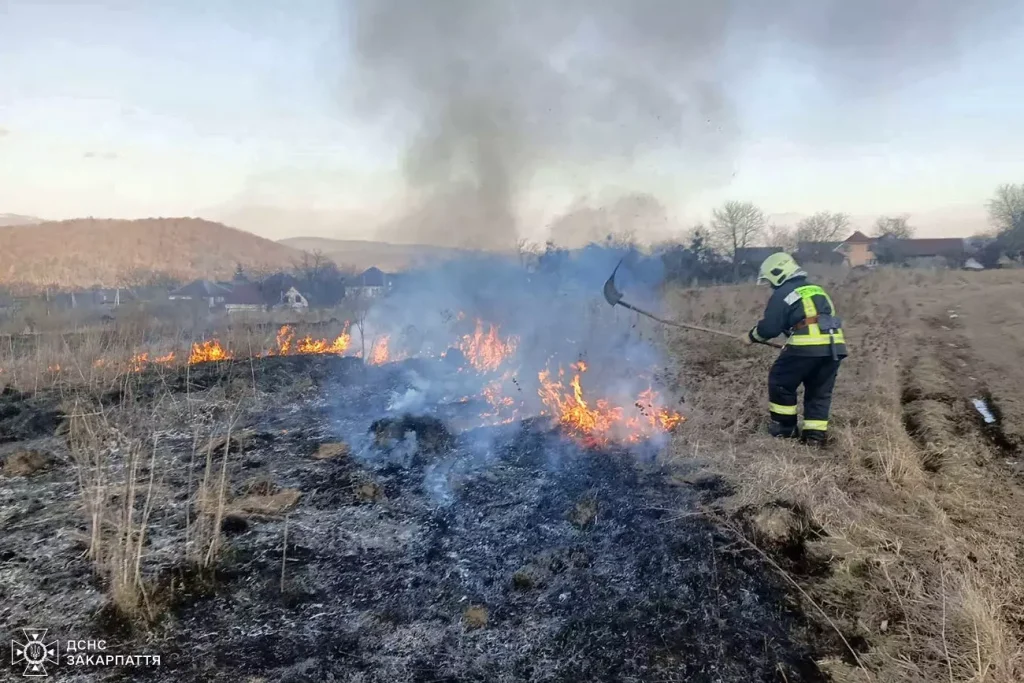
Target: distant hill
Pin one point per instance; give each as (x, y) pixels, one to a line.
(15, 219)
(362, 254)
(88, 252)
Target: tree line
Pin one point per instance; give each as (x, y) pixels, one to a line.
(741, 225)
(711, 253)
(736, 226)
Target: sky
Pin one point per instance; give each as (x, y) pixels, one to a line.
(243, 112)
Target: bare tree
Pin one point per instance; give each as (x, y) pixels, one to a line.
(319, 278)
(311, 266)
(736, 226)
(823, 226)
(895, 227)
(1006, 208)
(1006, 213)
(780, 236)
(357, 303)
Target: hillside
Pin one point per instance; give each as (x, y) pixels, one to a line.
(363, 254)
(87, 252)
(17, 219)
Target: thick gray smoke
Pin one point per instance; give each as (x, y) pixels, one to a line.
(496, 90)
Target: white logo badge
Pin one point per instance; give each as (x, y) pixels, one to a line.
(35, 652)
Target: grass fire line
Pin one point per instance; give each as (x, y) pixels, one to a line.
(593, 421)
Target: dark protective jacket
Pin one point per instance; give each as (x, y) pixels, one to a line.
(795, 309)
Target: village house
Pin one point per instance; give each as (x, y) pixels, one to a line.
(856, 250)
(373, 282)
(950, 252)
(747, 260)
(244, 297)
(212, 293)
(860, 251)
(819, 252)
(294, 300)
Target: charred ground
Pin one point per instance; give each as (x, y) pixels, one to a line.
(357, 552)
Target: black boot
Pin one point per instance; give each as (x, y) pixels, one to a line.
(815, 438)
(783, 431)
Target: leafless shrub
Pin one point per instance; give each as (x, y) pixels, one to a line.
(121, 467)
(117, 472)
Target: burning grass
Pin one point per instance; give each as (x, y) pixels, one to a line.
(487, 351)
(591, 418)
(600, 422)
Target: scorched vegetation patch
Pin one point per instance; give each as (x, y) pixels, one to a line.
(360, 543)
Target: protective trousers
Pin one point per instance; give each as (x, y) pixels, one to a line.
(818, 375)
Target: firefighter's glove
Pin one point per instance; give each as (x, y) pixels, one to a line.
(748, 338)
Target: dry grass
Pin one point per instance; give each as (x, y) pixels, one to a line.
(118, 501)
(93, 358)
(116, 450)
(922, 529)
(115, 447)
(26, 463)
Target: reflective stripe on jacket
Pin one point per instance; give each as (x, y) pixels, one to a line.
(793, 310)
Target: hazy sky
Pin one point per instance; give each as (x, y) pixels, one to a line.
(233, 109)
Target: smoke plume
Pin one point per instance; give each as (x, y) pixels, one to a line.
(495, 91)
(556, 322)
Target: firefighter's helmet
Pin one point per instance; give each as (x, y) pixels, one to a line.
(778, 268)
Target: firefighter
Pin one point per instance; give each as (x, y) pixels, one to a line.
(815, 347)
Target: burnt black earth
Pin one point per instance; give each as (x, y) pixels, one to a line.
(497, 554)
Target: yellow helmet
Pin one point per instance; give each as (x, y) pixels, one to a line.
(778, 268)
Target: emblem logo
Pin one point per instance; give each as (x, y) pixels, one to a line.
(34, 652)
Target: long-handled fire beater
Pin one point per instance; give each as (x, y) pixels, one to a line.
(613, 296)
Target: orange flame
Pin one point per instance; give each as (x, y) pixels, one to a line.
(342, 342)
(284, 340)
(208, 351)
(486, 351)
(502, 406)
(138, 362)
(600, 423)
(593, 422)
(322, 346)
(287, 345)
(379, 353)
